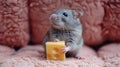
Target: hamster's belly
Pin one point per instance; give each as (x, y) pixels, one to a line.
(65, 35)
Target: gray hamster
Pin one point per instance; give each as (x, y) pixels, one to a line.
(66, 25)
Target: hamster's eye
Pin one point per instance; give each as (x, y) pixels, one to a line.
(65, 14)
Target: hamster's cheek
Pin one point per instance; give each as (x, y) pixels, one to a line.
(56, 27)
(59, 25)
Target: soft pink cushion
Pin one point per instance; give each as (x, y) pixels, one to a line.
(14, 29)
(5, 52)
(31, 51)
(35, 60)
(110, 54)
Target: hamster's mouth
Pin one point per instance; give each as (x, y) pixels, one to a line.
(54, 24)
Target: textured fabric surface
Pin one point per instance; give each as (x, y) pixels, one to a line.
(33, 62)
(14, 31)
(30, 59)
(110, 54)
(111, 21)
(31, 51)
(4, 50)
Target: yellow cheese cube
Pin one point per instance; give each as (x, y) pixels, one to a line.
(54, 50)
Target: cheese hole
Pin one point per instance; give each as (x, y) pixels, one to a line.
(57, 55)
(56, 49)
(54, 52)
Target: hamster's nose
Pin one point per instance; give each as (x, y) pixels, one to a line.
(53, 16)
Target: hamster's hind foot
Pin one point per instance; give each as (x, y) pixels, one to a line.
(79, 57)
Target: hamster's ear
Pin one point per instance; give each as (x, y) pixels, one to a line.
(78, 13)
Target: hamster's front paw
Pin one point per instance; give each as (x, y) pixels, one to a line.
(65, 49)
(56, 40)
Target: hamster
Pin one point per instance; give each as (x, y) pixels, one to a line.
(65, 25)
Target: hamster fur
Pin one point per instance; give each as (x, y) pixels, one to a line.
(65, 25)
